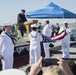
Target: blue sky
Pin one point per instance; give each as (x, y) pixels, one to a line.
(10, 8)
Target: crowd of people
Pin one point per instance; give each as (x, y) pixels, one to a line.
(35, 69)
(7, 46)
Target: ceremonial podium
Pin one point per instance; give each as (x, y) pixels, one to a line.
(27, 25)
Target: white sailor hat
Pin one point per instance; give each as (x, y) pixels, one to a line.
(65, 22)
(7, 24)
(34, 25)
(12, 72)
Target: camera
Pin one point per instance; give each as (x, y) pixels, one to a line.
(49, 61)
(53, 61)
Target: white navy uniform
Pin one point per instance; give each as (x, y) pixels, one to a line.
(6, 50)
(12, 72)
(47, 31)
(65, 43)
(35, 49)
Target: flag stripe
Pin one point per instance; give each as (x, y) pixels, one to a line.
(60, 36)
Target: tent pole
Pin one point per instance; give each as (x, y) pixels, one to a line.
(63, 20)
(75, 20)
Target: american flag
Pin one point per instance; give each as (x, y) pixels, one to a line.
(46, 39)
(60, 36)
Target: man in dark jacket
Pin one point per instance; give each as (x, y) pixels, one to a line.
(21, 19)
(57, 28)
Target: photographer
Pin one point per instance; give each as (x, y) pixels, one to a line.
(35, 68)
(64, 66)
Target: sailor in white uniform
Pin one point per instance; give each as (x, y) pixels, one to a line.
(12, 72)
(35, 49)
(65, 43)
(6, 47)
(47, 31)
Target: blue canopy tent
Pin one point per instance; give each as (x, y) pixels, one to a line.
(51, 11)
